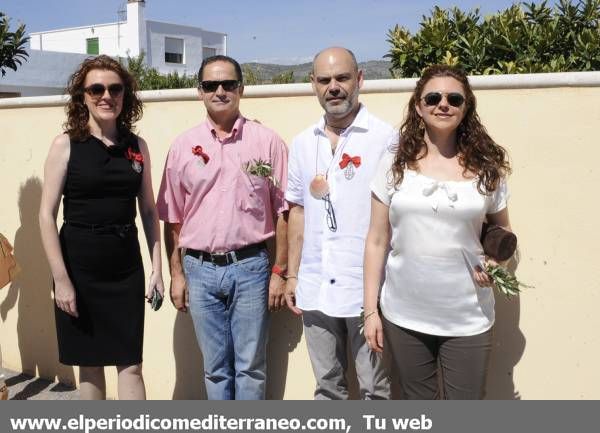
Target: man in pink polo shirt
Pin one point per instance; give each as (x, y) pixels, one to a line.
(221, 198)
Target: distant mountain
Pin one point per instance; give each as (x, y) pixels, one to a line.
(263, 73)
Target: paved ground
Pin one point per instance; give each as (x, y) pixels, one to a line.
(24, 387)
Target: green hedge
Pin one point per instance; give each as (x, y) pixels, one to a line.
(12, 45)
(150, 79)
(521, 39)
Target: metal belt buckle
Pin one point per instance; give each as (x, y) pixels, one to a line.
(233, 256)
(215, 256)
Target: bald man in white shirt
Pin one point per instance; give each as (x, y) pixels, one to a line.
(331, 164)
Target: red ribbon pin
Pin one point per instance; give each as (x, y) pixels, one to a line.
(347, 159)
(198, 151)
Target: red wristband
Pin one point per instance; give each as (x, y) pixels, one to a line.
(276, 269)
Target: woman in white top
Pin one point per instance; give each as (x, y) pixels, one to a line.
(430, 196)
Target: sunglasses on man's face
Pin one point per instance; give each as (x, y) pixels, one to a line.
(97, 90)
(212, 86)
(434, 98)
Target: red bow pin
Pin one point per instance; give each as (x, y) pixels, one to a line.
(347, 159)
(198, 151)
(132, 155)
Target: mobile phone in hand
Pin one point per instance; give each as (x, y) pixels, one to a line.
(157, 300)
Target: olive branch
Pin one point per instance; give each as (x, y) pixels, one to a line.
(505, 282)
(261, 168)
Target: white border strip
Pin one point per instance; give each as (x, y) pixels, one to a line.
(480, 82)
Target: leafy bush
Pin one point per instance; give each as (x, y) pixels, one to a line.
(150, 79)
(12, 45)
(251, 77)
(521, 39)
(283, 78)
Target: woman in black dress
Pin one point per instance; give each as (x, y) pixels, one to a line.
(100, 168)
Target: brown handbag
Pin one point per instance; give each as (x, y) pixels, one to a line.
(8, 265)
(498, 243)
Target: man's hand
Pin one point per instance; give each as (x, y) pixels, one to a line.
(276, 292)
(179, 293)
(290, 295)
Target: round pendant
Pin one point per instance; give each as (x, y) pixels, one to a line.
(349, 171)
(137, 167)
(319, 187)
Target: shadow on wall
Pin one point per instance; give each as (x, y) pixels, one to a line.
(285, 331)
(509, 345)
(189, 373)
(32, 288)
(284, 335)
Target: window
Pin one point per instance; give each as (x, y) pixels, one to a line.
(173, 50)
(208, 52)
(92, 46)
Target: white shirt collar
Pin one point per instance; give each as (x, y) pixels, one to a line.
(361, 121)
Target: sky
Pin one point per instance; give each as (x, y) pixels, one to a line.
(268, 31)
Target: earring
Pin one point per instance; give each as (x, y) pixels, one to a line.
(421, 124)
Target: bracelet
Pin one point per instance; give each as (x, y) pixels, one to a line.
(278, 270)
(291, 276)
(369, 314)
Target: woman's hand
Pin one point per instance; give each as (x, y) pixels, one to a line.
(373, 330)
(64, 296)
(480, 275)
(156, 280)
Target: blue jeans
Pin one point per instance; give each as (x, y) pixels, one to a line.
(228, 305)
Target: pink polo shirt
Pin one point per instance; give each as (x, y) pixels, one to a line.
(220, 205)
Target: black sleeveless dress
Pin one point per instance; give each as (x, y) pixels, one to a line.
(102, 255)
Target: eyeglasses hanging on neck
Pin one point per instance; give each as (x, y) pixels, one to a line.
(331, 222)
(319, 189)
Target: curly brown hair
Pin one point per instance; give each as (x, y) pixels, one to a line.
(477, 152)
(76, 124)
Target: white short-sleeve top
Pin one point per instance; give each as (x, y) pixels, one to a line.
(435, 231)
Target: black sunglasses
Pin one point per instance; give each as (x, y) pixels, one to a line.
(453, 98)
(331, 221)
(97, 90)
(212, 86)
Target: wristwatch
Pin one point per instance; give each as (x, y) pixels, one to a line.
(276, 269)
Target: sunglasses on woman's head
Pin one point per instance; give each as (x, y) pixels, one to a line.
(212, 86)
(97, 90)
(434, 98)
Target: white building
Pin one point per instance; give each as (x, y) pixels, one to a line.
(168, 47)
(44, 73)
(55, 54)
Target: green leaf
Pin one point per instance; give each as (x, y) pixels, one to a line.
(526, 37)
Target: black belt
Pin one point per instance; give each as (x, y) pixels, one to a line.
(120, 230)
(222, 259)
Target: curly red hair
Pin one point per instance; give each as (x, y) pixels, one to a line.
(76, 124)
